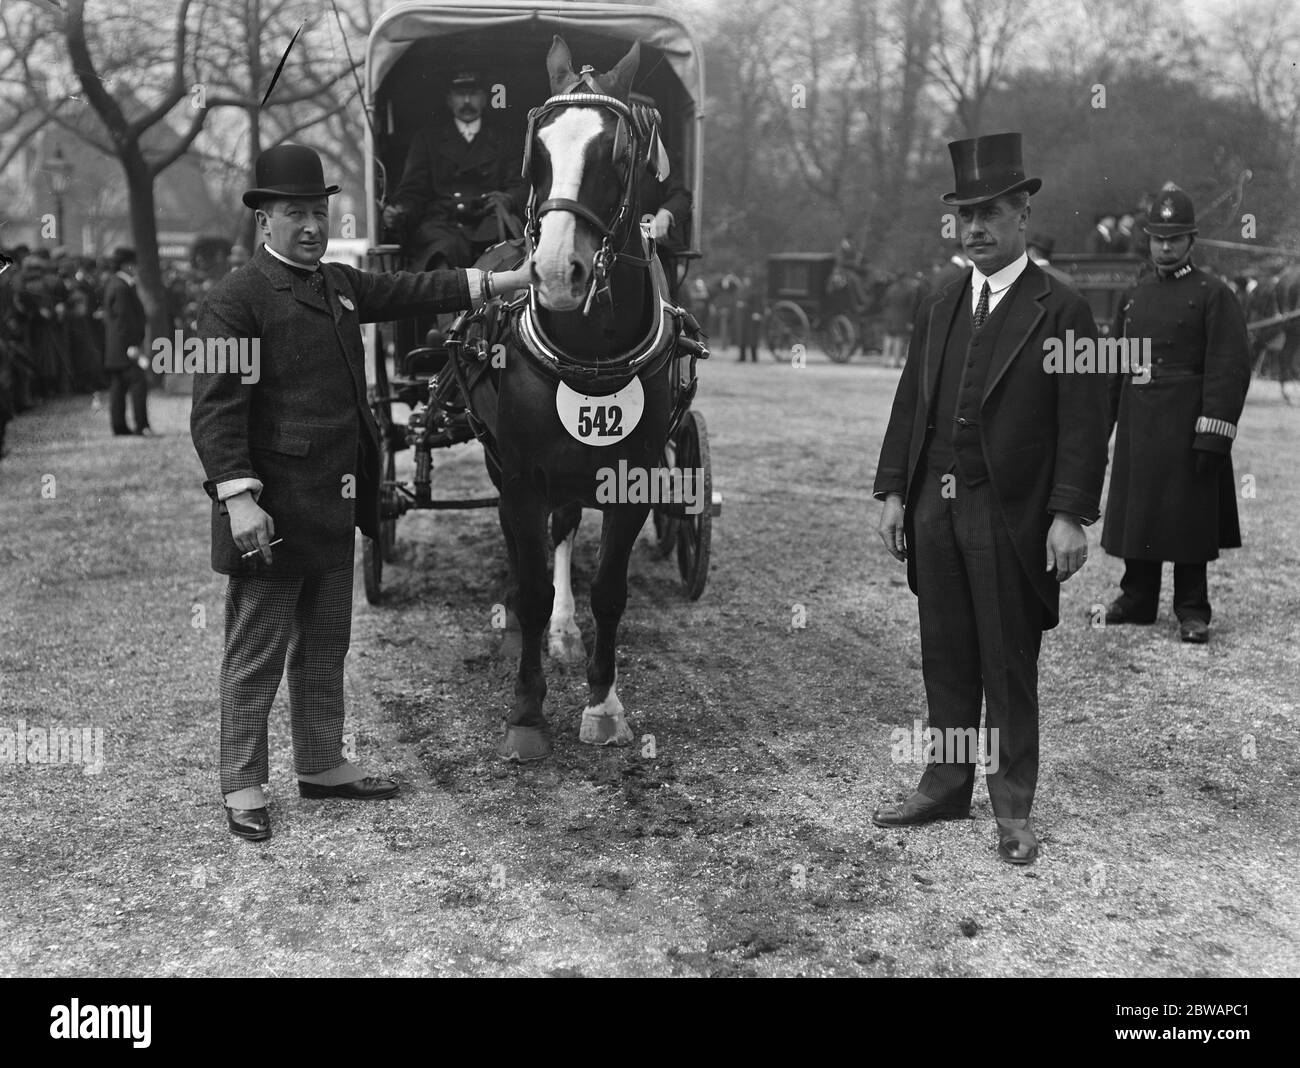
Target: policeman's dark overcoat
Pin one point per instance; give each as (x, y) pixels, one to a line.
(1158, 509)
(289, 429)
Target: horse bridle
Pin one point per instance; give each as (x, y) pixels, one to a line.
(617, 232)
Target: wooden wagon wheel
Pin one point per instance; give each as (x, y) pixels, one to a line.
(665, 525)
(840, 338)
(694, 532)
(787, 326)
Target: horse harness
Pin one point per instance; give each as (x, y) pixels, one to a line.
(673, 336)
(636, 145)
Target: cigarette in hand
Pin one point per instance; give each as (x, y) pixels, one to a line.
(254, 552)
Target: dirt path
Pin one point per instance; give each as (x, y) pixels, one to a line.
(743, 845)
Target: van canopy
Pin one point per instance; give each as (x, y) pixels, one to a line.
(415, 48)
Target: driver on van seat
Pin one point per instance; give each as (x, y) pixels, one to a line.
(458, 178)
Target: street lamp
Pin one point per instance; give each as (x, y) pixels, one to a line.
(60, 179)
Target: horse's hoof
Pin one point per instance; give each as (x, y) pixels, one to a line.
(521, 745)
(565, 647)
(600, 729)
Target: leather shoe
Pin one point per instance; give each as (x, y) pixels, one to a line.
(918, 809)
(1117, 612)
(253, 824)
(1194, 630)
(1017, 843)
(368, 789)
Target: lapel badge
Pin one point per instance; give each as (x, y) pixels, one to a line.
(347, 303)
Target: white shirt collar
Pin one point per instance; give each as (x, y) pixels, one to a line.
(288, 262)
(469, 130)
(999, 280)
(126, 278)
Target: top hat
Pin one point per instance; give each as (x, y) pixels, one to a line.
(987, 168)
(466, 79)
(1172, 215)
(288, 170)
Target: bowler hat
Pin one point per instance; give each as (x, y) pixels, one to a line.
(987, 168)
(1172, 215)
(288, 170)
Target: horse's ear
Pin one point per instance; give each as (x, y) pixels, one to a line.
(559, 65)
(617, 81)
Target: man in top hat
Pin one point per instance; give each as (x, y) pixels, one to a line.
(458, 176)
(290, 450)
(990, 467)
(124, 356)
(1172, 491)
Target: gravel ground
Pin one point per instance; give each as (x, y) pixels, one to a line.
(734, 838)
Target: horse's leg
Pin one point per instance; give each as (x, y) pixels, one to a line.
(512, 646)
(565, 644)
(527, 735)
(603, 722)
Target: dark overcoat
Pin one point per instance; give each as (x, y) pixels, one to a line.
(124, 323)
(1044, 434)
(444, 173)
(282, 429)
(1158, 508)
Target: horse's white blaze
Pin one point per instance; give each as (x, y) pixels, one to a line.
(566, 141)
(605, 724)
(565, 637)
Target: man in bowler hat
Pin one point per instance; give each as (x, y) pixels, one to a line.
(1172, 491)
(291, 457)
(124, 356)
(990, 468)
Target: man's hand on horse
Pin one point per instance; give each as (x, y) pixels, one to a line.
(891, 527)
(506, 282)
(657, 225)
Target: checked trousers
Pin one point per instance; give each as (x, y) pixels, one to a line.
(305, 621)
(981, 630)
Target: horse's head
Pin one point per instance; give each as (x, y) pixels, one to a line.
(579, 160)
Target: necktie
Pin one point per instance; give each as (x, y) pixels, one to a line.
(982, 308)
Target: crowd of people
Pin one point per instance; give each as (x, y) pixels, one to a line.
(56, 338)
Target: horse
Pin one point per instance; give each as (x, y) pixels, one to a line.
(598, 368)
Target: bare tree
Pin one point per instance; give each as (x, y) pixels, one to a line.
(975, 44)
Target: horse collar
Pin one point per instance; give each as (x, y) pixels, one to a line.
(529, 331)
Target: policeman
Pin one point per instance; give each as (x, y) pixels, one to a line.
(1172, 491)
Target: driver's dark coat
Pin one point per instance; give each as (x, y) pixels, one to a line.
(284, 429)
(444, 171)
(1044, 435)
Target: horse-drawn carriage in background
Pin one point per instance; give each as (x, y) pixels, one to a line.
(813, 298)
(1102, 279)
(412, 51)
